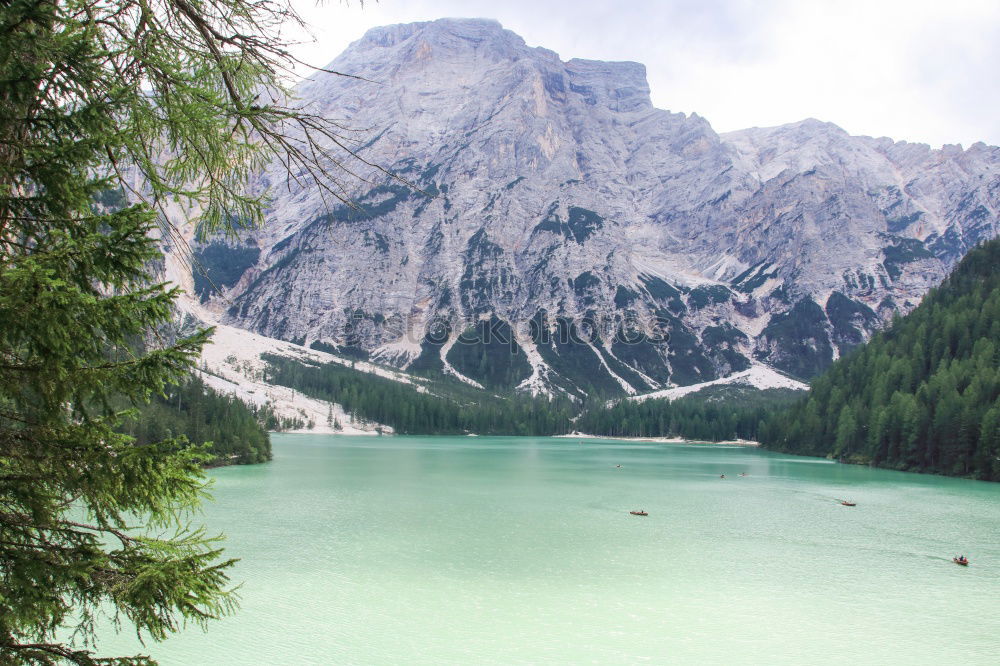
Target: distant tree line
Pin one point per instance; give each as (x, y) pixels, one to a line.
(200, 413)
(368, 397)
(708, 415)
(371, 398)
(924, 395)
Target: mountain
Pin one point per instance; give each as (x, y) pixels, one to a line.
(924, 395)
(549, 230)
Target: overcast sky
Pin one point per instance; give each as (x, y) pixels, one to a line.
(913, 70)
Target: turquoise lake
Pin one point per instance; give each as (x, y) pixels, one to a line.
(462, 550)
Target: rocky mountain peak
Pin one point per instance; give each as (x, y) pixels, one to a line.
(454, 32)
(619, 86)
(557, 212)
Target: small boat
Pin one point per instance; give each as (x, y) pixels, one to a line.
(846, 503)
(962, 561)
(638, 513)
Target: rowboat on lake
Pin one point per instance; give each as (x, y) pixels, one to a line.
(639, 513)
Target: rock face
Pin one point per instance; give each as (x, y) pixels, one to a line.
(564, 234)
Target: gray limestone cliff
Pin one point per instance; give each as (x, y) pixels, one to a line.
(564, 234)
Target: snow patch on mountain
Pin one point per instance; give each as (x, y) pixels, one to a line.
(759, 377)
(537, 382)
(320, 417)
(399, 353)
(233, 365)
(449, 369)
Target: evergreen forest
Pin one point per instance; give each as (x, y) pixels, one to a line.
(195, 410)
(712, 414)
(411, 412)
(923, 395)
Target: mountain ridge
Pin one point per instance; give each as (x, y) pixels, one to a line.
(563, 202)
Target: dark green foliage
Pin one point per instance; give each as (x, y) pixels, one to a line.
(564, 349)
(713, 414)
(580, 225)
(621, 369)
(720, 344)
(410, 412)
(324, 347)
(584, 282)
(624, 297)
(220, 265)
(584, 286)
(551, 223)
(488, 353)
(923, 395)
(111, 199)
(428, 362)
(745, 274)
(380, 200)
(753, 277)
(348, 351)
(486, 279)
(850, 320)
(196, 411)
(949, 246)
(708, 295)
(801, 340)
(583, 223)
(903, 251)
(726, 334)
(75, 294)
(780, 294)
(664, 293)
(646, 355)
(481, 246)
(900, 223)
(271, 421)
(688, 363)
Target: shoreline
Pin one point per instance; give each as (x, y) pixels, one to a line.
(664, 440)
(573, 435)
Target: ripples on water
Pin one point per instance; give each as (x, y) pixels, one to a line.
(521, 550)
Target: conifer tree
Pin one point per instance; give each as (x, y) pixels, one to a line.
(110, 110)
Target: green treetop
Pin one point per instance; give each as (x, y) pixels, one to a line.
(171, 101)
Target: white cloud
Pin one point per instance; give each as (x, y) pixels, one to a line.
(909, 69)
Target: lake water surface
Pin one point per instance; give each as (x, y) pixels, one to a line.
(446, 550)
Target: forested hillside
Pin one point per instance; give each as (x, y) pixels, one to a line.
(204, 415)
(924, 395)
(712, 414)
(411, 412)
(717, 413)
